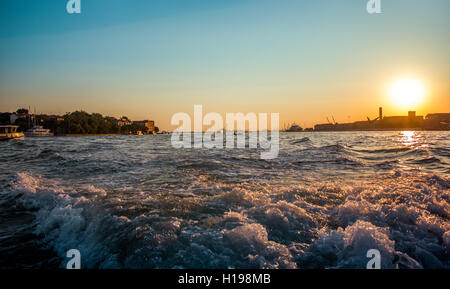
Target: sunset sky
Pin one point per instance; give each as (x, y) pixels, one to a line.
(150, 59)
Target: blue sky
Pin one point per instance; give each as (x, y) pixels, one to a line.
(150, 59)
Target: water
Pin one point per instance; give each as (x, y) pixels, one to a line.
(135, 202)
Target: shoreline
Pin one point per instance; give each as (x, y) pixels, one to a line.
(368, 130)
(93, 134)
(312, 131)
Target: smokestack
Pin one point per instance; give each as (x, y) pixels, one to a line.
(380, 115)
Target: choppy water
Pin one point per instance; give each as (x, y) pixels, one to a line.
(135, 202)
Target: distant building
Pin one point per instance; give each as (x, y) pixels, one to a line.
(437, 121)
(411, 121)
(12, 118)
(149, 124)
(20, 113)
(324, 127)
(124, 121)
(56, 117)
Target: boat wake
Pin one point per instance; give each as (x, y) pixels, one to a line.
(249, 225)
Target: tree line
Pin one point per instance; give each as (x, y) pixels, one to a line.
(77, 122)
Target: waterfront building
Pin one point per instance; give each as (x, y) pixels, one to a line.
(437, 121)
(149, 124)
(124, 121)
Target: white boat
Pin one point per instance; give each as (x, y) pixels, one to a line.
(37, 131)
(8, 132)
(294, 128)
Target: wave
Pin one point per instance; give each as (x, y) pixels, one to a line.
(347, 248)
(343, 160)
(384, 150)
(428, 160)
(334, 148)
(245, 225)
(441, 151)
(301, 141)
(141, 204)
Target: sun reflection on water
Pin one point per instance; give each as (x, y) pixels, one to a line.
(409, 138)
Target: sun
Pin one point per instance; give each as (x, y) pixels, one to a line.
(407, 92)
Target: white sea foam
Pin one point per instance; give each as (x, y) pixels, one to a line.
(236, 213)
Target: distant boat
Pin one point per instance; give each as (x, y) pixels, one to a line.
(295, 128)
(37, 131)
(8, 132)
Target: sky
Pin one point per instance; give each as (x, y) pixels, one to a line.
(149, 59)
